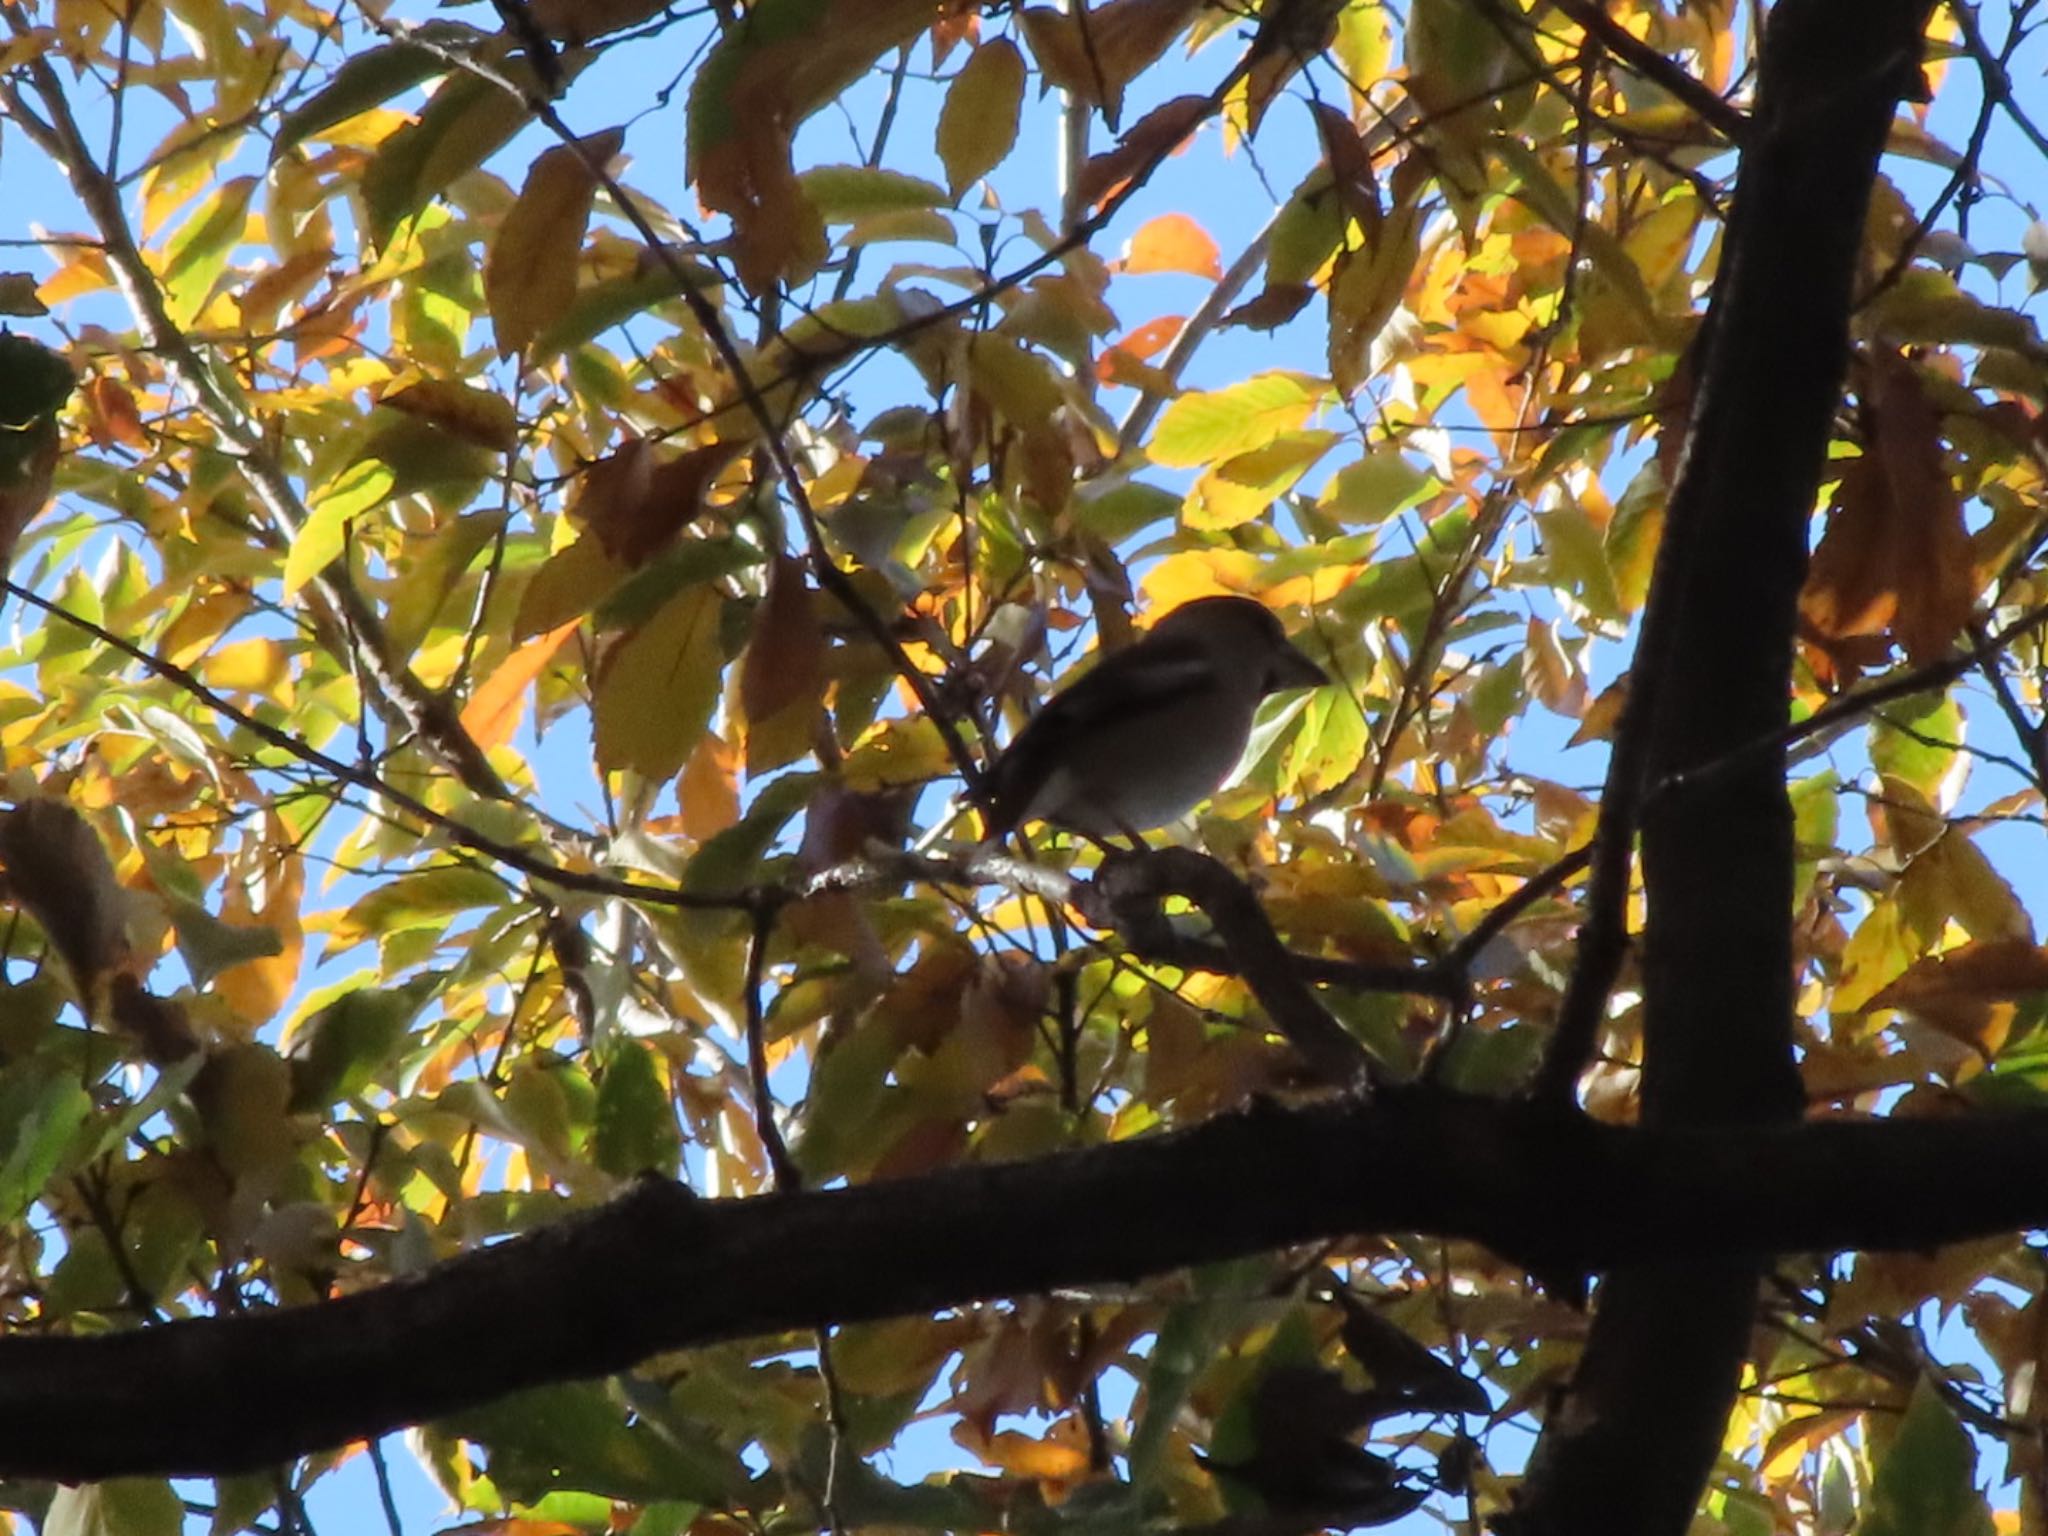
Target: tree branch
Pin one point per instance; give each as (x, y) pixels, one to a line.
(659, 1269)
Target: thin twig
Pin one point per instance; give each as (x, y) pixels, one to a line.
(789, 1179)
(385, 1497)
(363, 778)
(397, 688)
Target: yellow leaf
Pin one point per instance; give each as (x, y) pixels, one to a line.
(251, 666)
(1245, 485)
(571, 582)
(355, 490)
(656, 690)
(1205, 425)
(256, 988)
(493, 711)
(978, 123)
(194, 256)
(530, 273)
(1197, 573)
(1173, 242)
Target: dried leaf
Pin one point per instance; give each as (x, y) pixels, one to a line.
(1896, 558)
(1151, 139)
(478, 416)
(782, 675)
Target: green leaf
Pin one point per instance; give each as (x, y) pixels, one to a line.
(126, 1506)
(365, 484)
(421, 899)
(636, 1124)
(843, 193)
(682, 566)
(978, 123)
(658, 688)
(467, 122)
(1381, 485)
(336, 1053)
(373, 77)
(577, 1436)
(209, 946)
(603, 305)
(194, 256)
(42, 1107)
(1915, 740)
(1216, 424)
(1926, 1479)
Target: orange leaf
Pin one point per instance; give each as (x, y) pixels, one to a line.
(1173, 242)
(493, 711)
(1140, 344)
(709, 789)
(111, 414)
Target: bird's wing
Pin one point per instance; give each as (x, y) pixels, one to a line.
(1153, 675)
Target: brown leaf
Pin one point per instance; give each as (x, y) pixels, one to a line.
(782, 676)
(1280, 303)
(1350, 164)
(1151, 139)
(1896, 555)
(59, 870)
(636, 504)
(477, 416)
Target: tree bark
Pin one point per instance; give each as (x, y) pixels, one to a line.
(659, 1270)
(1631, 1443)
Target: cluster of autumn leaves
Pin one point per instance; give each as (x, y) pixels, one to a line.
(581, 487)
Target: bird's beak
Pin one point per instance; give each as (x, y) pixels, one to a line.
(1291, 669)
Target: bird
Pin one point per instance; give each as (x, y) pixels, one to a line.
(1152, 730)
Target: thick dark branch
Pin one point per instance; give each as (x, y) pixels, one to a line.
(659, 1269)
(1631, 1443)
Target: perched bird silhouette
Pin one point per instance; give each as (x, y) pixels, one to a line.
(1152, 730)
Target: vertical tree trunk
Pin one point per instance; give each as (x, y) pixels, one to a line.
(1634, 1438)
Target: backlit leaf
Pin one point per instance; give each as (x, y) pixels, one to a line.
(530, 274)
(1173, 242)
(978, 123)
(657, 688)
(1204, 425)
